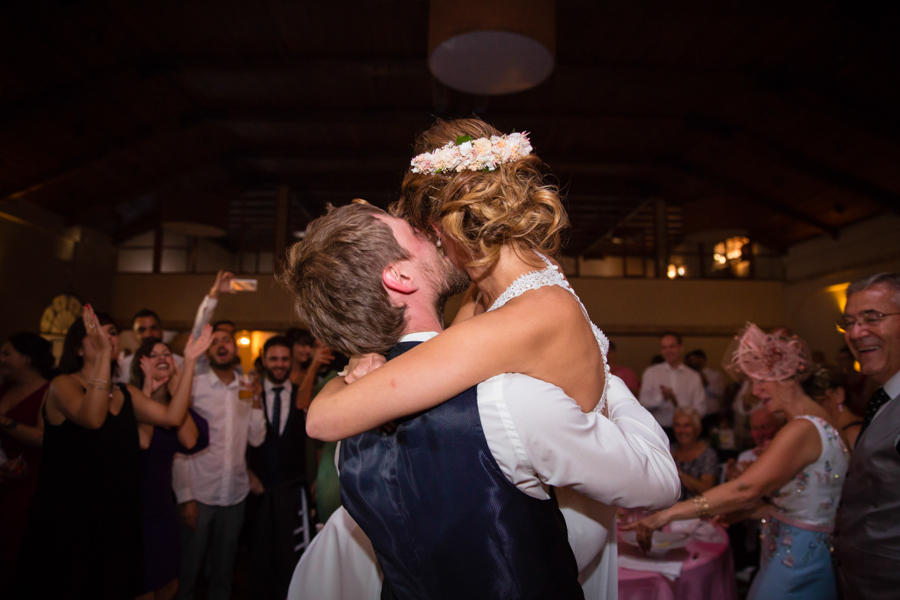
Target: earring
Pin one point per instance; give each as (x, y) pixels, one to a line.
(840, 407)
(439, 243)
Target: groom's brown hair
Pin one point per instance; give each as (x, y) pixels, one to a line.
(334, 276)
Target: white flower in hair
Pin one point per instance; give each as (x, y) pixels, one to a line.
(483, 154)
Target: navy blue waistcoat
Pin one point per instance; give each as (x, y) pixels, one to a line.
(444, 520)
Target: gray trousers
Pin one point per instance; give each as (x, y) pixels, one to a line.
(218, 530)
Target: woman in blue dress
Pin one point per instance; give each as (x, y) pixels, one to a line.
(801, 474)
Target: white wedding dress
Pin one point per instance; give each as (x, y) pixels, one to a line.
(340, 562)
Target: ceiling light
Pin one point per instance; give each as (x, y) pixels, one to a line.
(491, 47)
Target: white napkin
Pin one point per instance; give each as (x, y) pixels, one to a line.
(698, 529)
(669, 569)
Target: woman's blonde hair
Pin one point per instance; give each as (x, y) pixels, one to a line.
(483, 211)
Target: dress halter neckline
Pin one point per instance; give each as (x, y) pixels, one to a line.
(551, 275)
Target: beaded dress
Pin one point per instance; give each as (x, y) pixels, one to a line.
(796, 538)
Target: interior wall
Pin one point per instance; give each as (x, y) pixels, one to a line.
(635, 312)
(820, 270)
(40, 258)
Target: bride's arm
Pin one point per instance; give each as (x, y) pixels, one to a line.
(464, 355)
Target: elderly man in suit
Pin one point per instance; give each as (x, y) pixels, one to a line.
(867, 531)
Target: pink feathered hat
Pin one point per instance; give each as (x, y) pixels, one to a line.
(763, 356)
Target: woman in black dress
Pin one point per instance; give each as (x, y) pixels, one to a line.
(83, 536)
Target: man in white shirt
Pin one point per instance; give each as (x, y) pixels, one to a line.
(671, 384)
(538, 436)
(211, 486)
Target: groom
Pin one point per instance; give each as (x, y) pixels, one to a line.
(457, 500)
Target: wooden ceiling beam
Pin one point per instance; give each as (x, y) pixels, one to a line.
(777, 151)
(732, 186)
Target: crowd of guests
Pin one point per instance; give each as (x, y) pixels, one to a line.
(89, 467)
(132, 474)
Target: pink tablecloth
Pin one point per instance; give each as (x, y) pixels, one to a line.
(707, 574)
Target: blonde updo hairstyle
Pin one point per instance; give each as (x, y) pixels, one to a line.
(483, 211)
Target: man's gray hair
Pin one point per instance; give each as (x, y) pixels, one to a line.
(891, 280)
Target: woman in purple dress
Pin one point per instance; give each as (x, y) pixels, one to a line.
(154, 372)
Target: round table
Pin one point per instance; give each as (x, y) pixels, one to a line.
(707, 573)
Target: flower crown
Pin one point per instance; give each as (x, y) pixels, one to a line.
(466, 154)
(767, 357)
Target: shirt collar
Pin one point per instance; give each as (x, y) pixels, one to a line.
(268, 385)
(892, 387)
(215, 381)
(418, 336)
(671, 368)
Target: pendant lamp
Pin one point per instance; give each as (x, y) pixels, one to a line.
(492, 47)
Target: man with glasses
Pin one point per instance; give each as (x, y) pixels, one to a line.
(867, 531)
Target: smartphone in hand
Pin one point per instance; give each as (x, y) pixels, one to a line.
(243, 285)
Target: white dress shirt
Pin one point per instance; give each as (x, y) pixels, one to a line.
(892, 388)
(684, 382)
(217, 475)
(539, 437)
(269, 405)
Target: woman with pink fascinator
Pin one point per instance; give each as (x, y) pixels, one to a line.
(795, 484)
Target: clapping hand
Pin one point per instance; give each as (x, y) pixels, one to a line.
(195, 348)
(362, 365)
(222, 284)
(95, 332)
(151, 384)
(669, 395)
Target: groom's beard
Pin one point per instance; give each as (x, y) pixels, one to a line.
(448, 281)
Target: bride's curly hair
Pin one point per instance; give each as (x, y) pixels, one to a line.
(483, 211)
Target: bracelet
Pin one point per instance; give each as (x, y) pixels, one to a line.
(701, 506)
(99, 384)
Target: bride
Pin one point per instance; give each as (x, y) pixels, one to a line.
(480, 196)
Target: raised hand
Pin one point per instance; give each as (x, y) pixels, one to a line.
(322, 355)
(151, 384)
(222, 284)
(95, 332)
(361, 365)
(195, 348)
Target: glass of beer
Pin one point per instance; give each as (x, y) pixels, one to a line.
(247, 385)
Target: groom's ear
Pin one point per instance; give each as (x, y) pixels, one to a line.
(397, 279)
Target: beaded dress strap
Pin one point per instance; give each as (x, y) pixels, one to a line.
(550, 275)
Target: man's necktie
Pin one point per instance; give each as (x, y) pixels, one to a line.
(276, 408)
(877, 400)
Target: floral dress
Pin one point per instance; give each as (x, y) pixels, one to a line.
(796, 538)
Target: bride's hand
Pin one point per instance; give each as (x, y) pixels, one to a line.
(361, 365)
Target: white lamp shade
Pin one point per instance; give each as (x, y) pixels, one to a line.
(492, 47)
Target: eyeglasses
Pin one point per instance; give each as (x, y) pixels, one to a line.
(866, 317)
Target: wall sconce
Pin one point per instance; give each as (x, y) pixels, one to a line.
(491, 47)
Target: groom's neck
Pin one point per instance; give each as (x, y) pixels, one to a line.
(422, 317)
